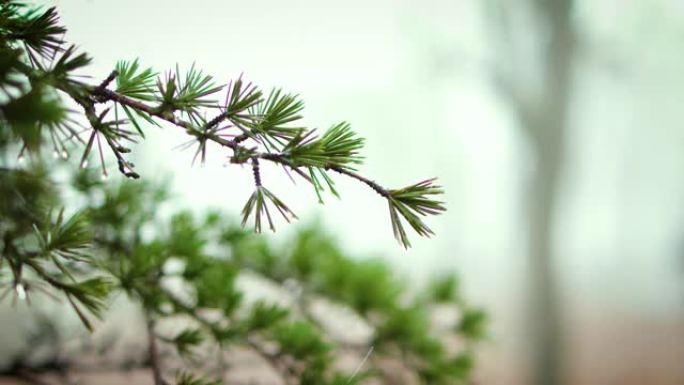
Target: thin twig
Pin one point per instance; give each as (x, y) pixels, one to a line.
(155, 361)
(255, 171)
(360, 365)
(217, 119)
(108, 80)
(109, 95)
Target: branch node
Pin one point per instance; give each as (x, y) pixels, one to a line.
(105, 83)
(255, 171)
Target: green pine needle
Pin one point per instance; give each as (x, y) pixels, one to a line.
(272, 119)
(265, 315)
(186, 340)
(318, 186)
(167, 91)
(187, 93)
(239, 99)
(258, 203)
(66, 239)
(134, 82)
(131, 113)
(61, 71)
(187, 378)
(40, 32)
(341, 145)
(70, 61)
(194, 88)
(410, 202)
(91, 294)
(338, 147)
(301, 340)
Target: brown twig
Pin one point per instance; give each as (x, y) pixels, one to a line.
(255, 171)
(109, 95)
(108, 80)
(153, 351)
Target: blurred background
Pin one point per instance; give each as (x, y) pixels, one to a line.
(555, 127)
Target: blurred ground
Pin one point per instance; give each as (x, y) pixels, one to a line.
(613, 350)
(610, 350)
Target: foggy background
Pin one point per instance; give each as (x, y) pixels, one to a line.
(556, 130)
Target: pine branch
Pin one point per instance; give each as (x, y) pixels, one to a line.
(65, 239)
(268, 122)
(272, 117)
(138, 84)
(240, 99)
(410, 202)
(288, 372)
(152, 350)
(280, 158)
(110, 78)
(90, 293)
(232, 144)
(40, 32)
(258, 203)
(397, 198)
(338, 147)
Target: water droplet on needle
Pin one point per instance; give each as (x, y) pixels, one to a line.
(21, 291)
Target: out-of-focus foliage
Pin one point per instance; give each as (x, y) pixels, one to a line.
(311, 260)
(212, 250)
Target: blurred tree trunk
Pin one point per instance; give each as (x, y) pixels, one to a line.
(542, 113)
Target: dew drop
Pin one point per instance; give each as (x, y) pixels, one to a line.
(21, 291)
(65, 154)
(55, 154)
(20, 159)
(84, 163)
(104, 176)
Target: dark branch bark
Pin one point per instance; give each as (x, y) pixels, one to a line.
(153, 351)
(108, 80)
(191, 129)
